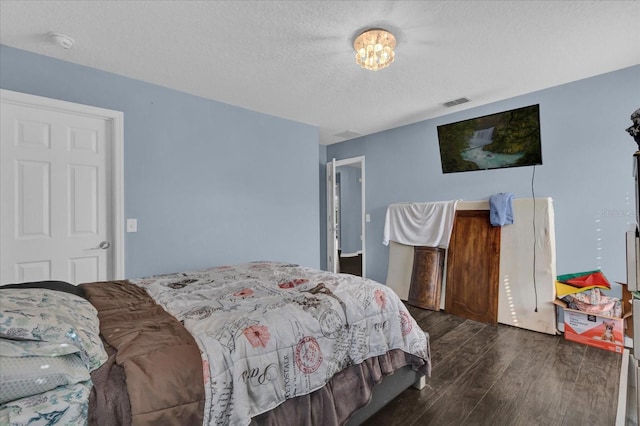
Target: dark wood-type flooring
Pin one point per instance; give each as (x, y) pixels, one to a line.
(351, 265)
(500, 375)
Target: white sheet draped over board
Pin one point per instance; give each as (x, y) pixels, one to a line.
(414, 224)
(420, 224)
(516, 298)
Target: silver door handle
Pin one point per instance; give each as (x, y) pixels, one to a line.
(104, 245)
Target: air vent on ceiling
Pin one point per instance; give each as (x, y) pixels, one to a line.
(348, 134)
(456, 102)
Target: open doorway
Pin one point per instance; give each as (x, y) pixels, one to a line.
(346, 216)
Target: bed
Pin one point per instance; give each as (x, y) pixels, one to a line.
(257, 343)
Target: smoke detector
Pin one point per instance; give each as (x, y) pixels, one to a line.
(62, 40)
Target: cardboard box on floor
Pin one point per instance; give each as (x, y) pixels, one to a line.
(596, 330)
(627, 306)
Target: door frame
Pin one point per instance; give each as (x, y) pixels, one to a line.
(115, 164)
(332, 248)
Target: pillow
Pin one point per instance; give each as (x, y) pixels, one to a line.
(64, 405)
(25, 376)
(51, 285)
(41, 322)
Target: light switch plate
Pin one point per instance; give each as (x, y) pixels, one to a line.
(132, 225)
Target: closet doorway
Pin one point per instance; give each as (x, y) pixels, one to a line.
(346, 216)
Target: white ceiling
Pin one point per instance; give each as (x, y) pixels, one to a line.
(294, 59)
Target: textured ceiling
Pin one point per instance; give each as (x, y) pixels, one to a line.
(294, 59)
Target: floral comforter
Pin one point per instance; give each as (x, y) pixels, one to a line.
(271, 331)
(49, 343)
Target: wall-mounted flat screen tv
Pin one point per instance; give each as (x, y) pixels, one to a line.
(505, 139)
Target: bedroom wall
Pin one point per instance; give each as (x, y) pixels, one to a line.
(587, 170)
(209, 183)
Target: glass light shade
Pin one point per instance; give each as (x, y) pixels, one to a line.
(374, 49)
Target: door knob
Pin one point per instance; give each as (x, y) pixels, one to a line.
(104, 245)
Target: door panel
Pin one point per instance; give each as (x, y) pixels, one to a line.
(83, 200)
(56, 195)
(84, 269)
(33, 192)
(473, 267)
(32, 271)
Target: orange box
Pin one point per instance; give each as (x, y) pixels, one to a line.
(594, 330)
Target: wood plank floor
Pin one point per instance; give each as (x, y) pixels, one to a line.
(502, 375)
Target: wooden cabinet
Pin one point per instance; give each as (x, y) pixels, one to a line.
(426, 278)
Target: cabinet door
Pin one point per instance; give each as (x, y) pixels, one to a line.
(426, 278)
(473, 267)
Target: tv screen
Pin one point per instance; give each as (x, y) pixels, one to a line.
(505, 139)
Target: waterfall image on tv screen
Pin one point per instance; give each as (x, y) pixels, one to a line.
(506, 139)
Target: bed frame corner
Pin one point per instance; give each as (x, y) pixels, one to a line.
(421, 383)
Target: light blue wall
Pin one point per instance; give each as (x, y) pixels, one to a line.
(208, 182)
(587, 170)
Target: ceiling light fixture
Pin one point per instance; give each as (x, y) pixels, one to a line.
(374, 49)
(62, 40)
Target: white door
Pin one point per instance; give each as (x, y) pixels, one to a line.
(58, 194)
(332, 218)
